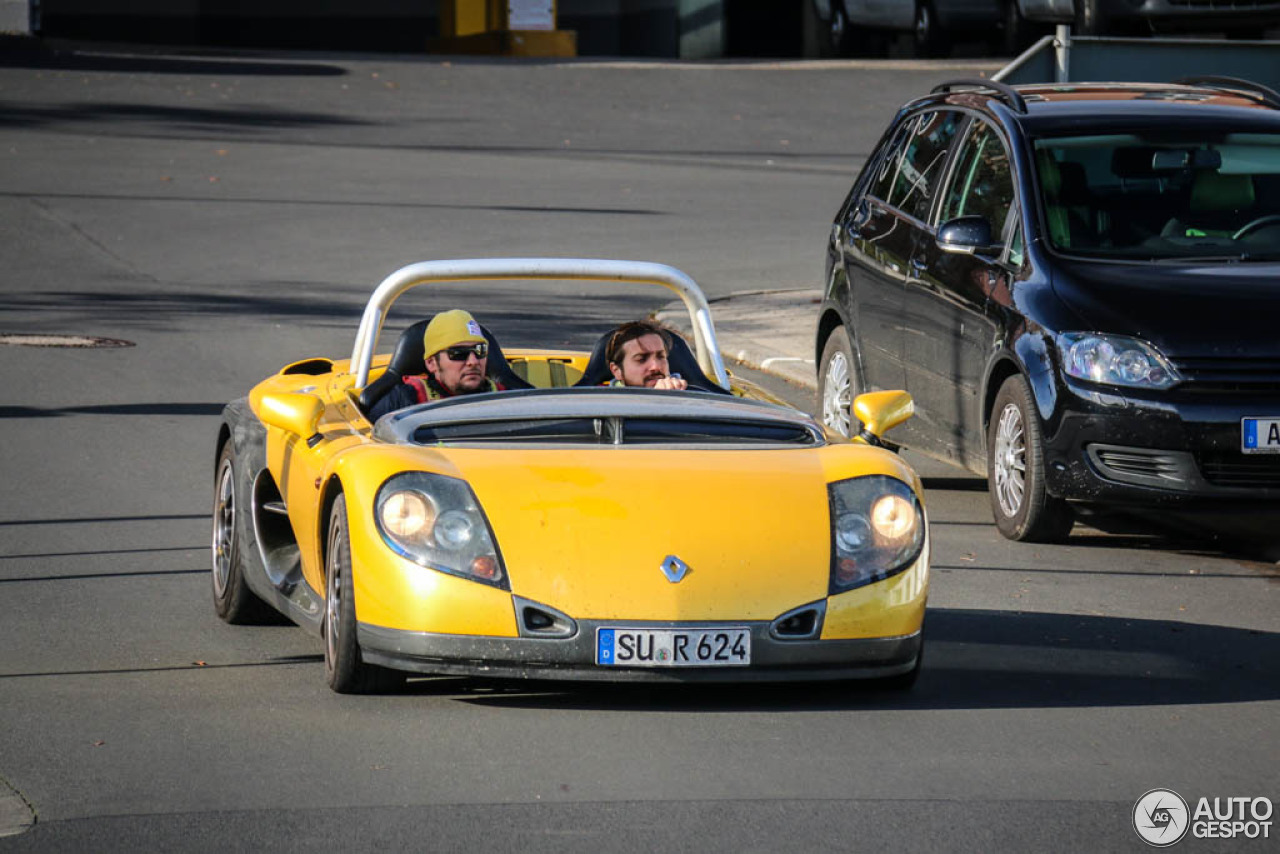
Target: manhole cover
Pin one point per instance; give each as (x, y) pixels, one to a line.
(61, 341)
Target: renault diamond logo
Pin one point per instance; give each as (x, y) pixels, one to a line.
(674, 568)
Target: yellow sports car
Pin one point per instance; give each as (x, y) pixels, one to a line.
(566, 529)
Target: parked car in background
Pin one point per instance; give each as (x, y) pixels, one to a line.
(1242, 19)
(848, 27)
(1079, 285)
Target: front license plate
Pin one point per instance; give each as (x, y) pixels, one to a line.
(721, 647)
(1260, 435)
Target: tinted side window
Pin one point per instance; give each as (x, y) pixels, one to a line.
(982, 184)
(922, 163)
(887, 171)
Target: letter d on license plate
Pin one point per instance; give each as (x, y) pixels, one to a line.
(692, 647)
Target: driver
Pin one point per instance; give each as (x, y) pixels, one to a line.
(456, 360)
(637, 355)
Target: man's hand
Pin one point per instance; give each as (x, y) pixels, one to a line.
(671, 384)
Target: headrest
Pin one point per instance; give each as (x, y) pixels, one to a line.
(1214, 191)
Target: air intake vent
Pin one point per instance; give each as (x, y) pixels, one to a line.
(540, 621)
(803, 623)
(1143, 466)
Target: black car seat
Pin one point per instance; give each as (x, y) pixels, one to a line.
(680, 361)
(1067, 227)
(408, 360)
(1218, 206)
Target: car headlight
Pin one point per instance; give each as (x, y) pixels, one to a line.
(1115, 360)
(435, 521)
(877, 530)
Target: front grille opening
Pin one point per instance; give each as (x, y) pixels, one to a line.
(1227, 468)
(803, 623)
(799, 625)
(542, 622)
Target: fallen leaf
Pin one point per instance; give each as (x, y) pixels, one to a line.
(98, 743)
(199, 664)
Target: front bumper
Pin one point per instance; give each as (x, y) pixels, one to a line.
(573, 658)
(1177, 450)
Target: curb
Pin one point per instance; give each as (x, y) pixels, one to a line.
(16, 815)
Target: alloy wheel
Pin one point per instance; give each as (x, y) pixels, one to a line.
(332, 599)
(224, 528)
(836, 394)
(1010, 460)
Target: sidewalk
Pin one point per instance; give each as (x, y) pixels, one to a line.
(770, 331)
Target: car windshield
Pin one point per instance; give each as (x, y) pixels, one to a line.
(1171, 197)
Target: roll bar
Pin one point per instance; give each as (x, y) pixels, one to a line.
(559, 269)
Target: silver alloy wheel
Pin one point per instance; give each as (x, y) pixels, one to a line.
(332, 599)
(1010, 466)
(224, 528)
(836, 392)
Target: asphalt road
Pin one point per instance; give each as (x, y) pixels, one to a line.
(227, 215)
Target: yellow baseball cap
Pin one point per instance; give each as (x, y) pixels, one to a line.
(448, 329)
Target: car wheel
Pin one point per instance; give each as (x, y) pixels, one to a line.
(1023, 508)
(1016, 32)
(838, 382)
(926, 35)
(344, 668)
(232, 599)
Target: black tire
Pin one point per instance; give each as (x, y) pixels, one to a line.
(838, 383)
(344, 668)
(927, 36)
(233, 601)
(1023, 508)
(1016, 32)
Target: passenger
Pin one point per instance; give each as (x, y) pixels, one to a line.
(637, 355)
(456, 354)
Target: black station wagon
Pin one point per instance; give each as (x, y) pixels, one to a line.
(1079, 284)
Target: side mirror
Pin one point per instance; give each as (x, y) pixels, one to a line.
(965, 235)
(880, 412)
(290, 411)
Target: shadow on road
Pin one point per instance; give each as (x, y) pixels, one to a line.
(25, 52)
(976, 659)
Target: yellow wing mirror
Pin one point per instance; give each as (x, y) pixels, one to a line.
(290, 411)
(880, 412)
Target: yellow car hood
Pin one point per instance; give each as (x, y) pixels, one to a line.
(587, 531)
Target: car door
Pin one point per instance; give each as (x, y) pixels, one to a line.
(875, 252)
(950, 321)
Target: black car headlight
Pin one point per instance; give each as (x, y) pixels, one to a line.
(877, 530)
(435, 521)
(1115, 360)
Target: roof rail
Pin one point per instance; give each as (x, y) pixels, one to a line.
(1257, 91)
(1006, 92)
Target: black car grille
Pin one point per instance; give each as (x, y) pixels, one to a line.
(1228, 374)
(1235, 469)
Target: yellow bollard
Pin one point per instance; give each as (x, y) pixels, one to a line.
(502, 27)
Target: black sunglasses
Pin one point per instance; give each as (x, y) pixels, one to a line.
(460, 354)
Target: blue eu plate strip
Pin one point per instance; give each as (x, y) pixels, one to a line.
(604, 646)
